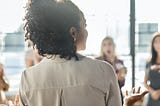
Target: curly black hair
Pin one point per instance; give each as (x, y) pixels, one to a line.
(47, 25)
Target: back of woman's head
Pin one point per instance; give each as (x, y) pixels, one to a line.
(47, 25)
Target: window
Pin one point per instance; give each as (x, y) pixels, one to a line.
(146, 30)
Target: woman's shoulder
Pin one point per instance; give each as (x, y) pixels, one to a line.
(99, 58)
(98, 62)
(90, 59)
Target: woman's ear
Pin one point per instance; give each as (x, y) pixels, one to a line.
(73, 32)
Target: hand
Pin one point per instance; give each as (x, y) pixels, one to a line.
(16, 101)
(155, 94)
(121, 74)
(155, 67)
(137, 96)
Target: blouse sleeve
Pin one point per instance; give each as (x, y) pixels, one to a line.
(22, 97)
(113, 97)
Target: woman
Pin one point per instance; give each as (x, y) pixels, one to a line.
(4, 86)
(152, 73)
(108, 55)
(64, 77)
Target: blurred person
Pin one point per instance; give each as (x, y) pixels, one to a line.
(31, 56)
(108, 54)
(152, 73)
(57, 29)
(4, 86)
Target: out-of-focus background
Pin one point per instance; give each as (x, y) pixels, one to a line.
(104, 17)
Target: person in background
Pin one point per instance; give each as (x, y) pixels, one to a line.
(108, 55)
(57, 28)
(31, 56)
(152, 73)
(4, 86)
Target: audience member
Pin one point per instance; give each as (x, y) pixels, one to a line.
(152, 74)
(108, 54)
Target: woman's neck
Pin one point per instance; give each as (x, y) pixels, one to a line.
(158, 58)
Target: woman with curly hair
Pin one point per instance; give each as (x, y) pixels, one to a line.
(57, 30)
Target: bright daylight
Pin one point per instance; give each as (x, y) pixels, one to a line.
(79, 53)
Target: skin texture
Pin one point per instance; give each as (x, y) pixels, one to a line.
(16, 102)
(108, 49)
(135, 97)
(31, 61)
(80, 37)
